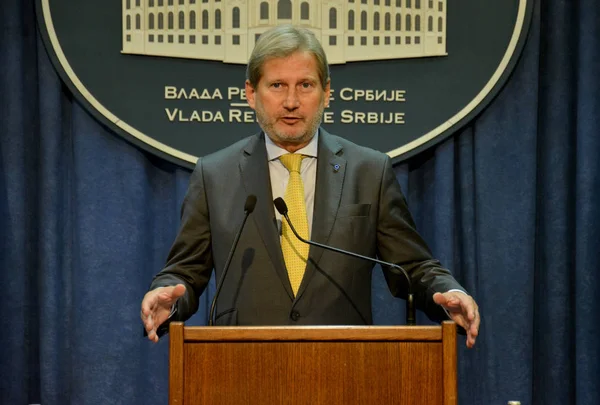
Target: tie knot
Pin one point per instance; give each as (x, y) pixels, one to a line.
(292, 161)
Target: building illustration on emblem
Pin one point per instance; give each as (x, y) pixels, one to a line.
(226, 30)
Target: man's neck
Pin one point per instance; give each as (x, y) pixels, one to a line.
(274, 150)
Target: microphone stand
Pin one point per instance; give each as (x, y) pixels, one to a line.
(248, 208)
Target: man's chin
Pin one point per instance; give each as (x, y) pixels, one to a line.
(292, 138)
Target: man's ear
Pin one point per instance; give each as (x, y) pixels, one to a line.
(250, 93)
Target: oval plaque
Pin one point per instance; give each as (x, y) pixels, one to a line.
(168, 75)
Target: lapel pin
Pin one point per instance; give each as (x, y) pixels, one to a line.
(336, 167)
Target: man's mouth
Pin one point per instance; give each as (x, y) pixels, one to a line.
(290, 120)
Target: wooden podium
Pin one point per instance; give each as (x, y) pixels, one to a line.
(408, 365)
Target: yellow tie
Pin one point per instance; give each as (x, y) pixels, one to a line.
(295, 252)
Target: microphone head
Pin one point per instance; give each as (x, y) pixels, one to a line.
(250, 203)
(281, 206)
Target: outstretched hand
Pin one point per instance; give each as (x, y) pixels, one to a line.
(156, 307)
(463, 310)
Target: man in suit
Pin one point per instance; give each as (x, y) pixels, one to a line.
(349, 198)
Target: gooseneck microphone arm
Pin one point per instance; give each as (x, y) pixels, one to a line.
(410, 302)
(248, 208)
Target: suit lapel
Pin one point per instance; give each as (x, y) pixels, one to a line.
(331, 170)
(254, 168)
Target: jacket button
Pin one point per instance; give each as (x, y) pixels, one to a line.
(295, 316)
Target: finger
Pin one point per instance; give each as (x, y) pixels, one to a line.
(454, 303)
(462, 322)
(151, 334)
(439, 298)
(144, 316)
(145, 310)
(149, 324)
(475, 325)
(469, 327)
(451, 303)
(471, 338)
(168, 295)
(149, 302)
(471, 311)
(178, 290)
(445, 300)
(473, 332)
(470, 341)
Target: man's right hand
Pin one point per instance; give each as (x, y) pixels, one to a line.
(156, 307)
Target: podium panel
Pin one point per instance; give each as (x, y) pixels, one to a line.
(413, 365)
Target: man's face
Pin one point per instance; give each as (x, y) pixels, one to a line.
(289, 100)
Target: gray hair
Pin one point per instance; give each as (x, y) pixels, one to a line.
(280, 42)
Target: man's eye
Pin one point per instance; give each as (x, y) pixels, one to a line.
(306, 85)
(276, 85)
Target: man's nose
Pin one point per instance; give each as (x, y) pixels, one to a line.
(291, 101)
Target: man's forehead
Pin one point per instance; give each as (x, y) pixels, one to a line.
(292, 56)
(276, 65)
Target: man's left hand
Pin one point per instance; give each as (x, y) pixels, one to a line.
(463, 310)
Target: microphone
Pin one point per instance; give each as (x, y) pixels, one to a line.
(248, 208)
(410, 301)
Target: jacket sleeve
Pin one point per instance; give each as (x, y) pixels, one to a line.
(398, 242)
(190, 260)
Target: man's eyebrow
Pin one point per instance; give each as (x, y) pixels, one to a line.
(308, 79)
(302, 79)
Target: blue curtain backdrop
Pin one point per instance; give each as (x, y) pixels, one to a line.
(510, 203)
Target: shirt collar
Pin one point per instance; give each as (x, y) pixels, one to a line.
(274, 151)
